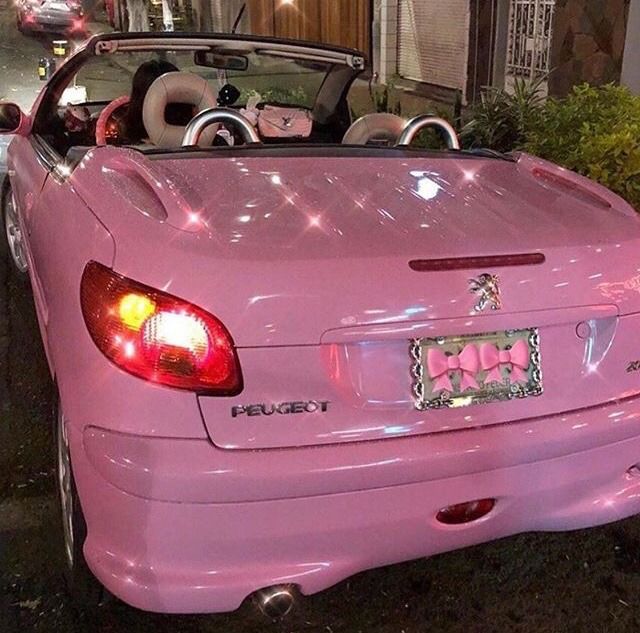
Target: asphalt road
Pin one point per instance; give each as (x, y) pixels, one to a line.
(19, 57)
(583, 581)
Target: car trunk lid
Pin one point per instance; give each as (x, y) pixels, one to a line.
(310, 261)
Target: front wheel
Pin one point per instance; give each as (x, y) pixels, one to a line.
(85, 591)
(13, 233)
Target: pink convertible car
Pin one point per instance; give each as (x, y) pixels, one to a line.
(289, 347)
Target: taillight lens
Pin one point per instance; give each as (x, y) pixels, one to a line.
(156, 336)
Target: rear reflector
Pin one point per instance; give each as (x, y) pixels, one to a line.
(464, 263)
(465, 512)
(156, 336)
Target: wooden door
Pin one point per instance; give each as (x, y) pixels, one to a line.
(340, 22)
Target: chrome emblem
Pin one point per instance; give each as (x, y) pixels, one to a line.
(487, 289)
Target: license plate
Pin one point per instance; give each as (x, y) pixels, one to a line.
(457, 371)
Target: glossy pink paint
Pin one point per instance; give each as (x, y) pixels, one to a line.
(313, 517)
(305, 258)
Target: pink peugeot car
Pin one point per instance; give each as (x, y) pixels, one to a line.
(289, 347)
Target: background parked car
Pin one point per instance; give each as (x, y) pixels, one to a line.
(57, 16)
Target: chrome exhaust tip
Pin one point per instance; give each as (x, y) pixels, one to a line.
(275, 602)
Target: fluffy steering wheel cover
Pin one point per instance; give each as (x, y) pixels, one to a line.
(176, 87)
(105, 115)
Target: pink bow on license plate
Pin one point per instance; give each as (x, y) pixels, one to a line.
(462, 370)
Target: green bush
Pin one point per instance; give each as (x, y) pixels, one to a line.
(596, 132)
(502, 120)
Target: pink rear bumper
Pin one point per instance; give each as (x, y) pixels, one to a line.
(180, 526)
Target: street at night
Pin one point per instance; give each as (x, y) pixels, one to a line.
(535, 582)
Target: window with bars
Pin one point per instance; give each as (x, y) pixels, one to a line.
(530, 29)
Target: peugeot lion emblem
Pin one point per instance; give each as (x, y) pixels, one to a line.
(487, 288)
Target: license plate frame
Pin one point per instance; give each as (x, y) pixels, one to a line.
(424, 384)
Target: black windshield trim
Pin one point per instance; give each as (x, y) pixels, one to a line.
(317, 151)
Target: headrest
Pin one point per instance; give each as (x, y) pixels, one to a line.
(176, 87)
(379, 126)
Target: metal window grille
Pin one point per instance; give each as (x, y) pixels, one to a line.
(530, 28)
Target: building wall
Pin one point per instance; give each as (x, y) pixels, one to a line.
(501, 39)
(594, 41)
(631, 62)
(588, 43)
(445, 52)
(218, 15)
(483, 43)
(386, 15)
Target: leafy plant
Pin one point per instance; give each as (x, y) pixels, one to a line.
(502, 119)
(382, 101)
(596, 132)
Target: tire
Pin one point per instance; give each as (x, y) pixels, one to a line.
(12, 232)
(84, 590)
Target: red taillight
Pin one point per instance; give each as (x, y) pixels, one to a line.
(78, 25)
(156, 336)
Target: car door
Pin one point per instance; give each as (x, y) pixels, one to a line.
(27, 173)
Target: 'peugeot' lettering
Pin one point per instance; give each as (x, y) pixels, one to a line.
(283, 408)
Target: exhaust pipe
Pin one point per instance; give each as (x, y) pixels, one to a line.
(275, 602)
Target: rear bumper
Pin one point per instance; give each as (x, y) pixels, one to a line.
(180, 526)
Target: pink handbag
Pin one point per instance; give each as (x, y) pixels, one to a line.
(275, 122)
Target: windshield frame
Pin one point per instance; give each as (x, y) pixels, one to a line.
(347, 62)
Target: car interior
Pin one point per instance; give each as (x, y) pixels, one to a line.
(146, 98)
(158, 95)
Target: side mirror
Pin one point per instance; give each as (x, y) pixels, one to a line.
(11, 118)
